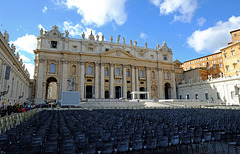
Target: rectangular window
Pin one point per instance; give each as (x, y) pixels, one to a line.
(219, 55)
(206, 96)
(180, 96)
(220, 60)
(196, 96)
(220, 65)
(106, 49)
(200, 64)
(213, 62)
(207, 58)
(164, 57)
(233, 53)
(190, 63)
(218, 95)
(225, 55)
(106, 80)
(53, 44)
(215, 76)
(227, 68)
(213, 56)
(214, 66)
(188, 97)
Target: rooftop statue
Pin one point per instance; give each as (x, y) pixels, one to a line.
(111, 38)
(102, 37)
(131, 42)
(83, 35)
(135, 43)
(118, 39)
(123, 41)
(145, 44)
(67, 33)
(97, 37)
(6, 36)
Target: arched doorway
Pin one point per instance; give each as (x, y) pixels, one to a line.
(167, 89)
(89, 91)
(106, 94)
(51, 89)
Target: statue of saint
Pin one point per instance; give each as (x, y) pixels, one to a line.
(41, 32)
(118, 39)
(145, 44)
(135, 43)
(111, 38)
(131, 42)
(67, 33)
(102, 37)
(71, 83)
(6, 36)
(97, 37)
(13, 47)
(158, 46)
(123, 41)
(83, 35)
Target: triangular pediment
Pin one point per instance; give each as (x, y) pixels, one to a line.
(118, 53)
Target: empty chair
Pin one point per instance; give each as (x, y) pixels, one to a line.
(234, 144)
(175, 141)
(163, 143)
(122, 146)
(137, 144)
(107, 148)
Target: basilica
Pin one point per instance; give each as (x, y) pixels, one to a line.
(101, 69)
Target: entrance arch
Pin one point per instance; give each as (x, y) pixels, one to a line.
(118, 92)
(142, 96)
(89, 91)
(51, 89)
(106, 94)
(167, 89)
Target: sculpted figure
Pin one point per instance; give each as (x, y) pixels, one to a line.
(6, 35)
(67, 33)
(102, 37)
(71, 83)
(135, 43)
(97, 37)
(118, 38)
(158, 46)
(111, 38)
(131, 42)
(83, 35)
(123, 41)
(13, 47)
(41, 32)
(145, 44)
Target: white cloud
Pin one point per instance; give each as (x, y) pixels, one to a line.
(99, 12)
(143, 35)
(44, 10)
(24, 58)
(183, 10)
(77, 30)
(40, 26)
(30, 68)
(214, 38)
(26, 43)
(201, 21)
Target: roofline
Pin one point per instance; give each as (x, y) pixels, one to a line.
(234, 31)
(203, 56)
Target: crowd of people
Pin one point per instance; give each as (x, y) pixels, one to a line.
(17, 108)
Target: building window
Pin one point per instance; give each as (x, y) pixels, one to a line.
(196, 96)
(53, 44)
(206, 96)
(186, 69)
(233, 53)
(180, 96)
(164, 57)
(52, 68)
(236, 41)
(219, 55)
(220, 60)
(141, 73)
(203, 64)
(106, 72)
(128, 73)
(213, 56)
(215, 76)
(220, 65)
(235, 35)
(190, 63)
(214, 66)
(207, 63)
(166, 75)
(89, 70)
(207, 58)
(213, 61)
(190, 67)
(200, 64)
(106, 49)
(225, 55)
(74, 48)
(218, 95)
(188, 96)
(117, 71)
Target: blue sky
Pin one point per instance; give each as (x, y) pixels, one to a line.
(192, 28)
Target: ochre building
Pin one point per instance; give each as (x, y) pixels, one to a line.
(101, 69)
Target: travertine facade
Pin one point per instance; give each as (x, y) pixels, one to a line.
(101, 69)
(14, 77)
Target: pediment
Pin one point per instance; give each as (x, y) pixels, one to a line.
(118, 53)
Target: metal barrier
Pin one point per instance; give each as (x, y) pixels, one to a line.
(11, 121)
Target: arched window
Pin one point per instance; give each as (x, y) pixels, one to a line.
(52, 68)
(89, 70)
(118, 71)
(141, 73)
(74, 69)
(106, 71)
(128, 73)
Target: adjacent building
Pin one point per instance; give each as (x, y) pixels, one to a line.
(101, 69)
(14, 77)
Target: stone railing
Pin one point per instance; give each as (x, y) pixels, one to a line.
(11, 121)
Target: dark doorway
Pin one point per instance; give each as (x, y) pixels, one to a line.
(117, 92)
(51, 89)
(142, 96)
(89, 92)
(167, 89)
(106, 94)
(128, 95)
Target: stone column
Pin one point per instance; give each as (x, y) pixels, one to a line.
(102, 81)
(96, 76)
(111, 80)
(160, 83)
(148, 73)
(58, 91)
(133, 79)
(136, 81)
(124, 81)
(173, 85)
(44, 85)
(81, 85)
(64, 75)
(40, 78)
